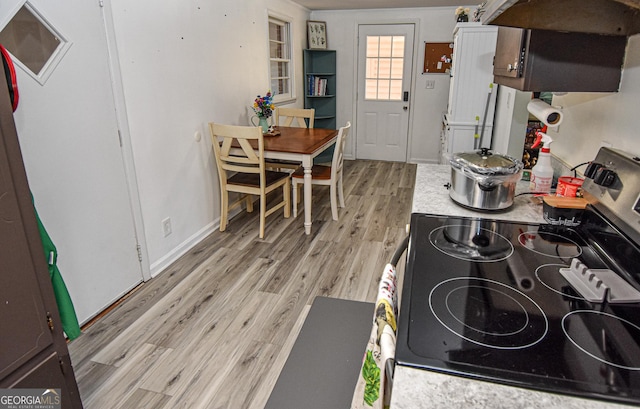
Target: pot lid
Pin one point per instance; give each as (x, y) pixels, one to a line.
(485, 162)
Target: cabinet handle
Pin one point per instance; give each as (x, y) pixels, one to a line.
(512, 67)
(50, 322)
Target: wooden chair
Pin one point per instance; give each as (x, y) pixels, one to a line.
(300, 117)
(303, 118)
(244, 172)
(326, 175)
(289, 116)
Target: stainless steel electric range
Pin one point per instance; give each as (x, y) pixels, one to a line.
(545, 307)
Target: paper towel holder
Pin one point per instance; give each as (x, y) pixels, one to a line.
(549, 115)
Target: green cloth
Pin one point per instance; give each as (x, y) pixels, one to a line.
(65, 305)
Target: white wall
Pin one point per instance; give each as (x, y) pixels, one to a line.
(434, 24)
(185, 63)
(590, 118)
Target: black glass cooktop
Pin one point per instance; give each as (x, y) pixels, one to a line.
(485, 299)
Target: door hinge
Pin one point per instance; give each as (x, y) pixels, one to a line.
(101, 3)
(120, 138)
(50, 321)
(139, 249)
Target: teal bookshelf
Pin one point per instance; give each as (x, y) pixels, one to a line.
(320, 86)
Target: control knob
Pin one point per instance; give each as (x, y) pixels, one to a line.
(604, 177)
(592, 169)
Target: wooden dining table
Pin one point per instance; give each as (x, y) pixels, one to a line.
(300, 145)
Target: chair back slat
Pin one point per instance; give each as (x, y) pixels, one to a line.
(248, 150)
(240, 168)
(244, 158)
(297, 117)
(338, 153)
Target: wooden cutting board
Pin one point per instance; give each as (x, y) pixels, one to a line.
(566, 202)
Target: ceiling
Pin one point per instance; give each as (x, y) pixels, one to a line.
(374, 4)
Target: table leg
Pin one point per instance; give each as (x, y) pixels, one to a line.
(307, 164)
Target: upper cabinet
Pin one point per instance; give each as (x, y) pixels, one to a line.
(473, 52)
(543, 60)
(611, 17)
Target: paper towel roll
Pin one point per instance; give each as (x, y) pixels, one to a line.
(549, 115)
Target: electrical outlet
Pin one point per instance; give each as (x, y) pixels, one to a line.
(166, 226)
(430, 84)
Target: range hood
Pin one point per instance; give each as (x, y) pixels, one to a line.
(609, 17)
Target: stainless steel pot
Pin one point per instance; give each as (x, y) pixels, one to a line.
(482, 180)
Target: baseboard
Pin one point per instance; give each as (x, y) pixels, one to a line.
(419, 161)
(159, 265)
(165, 261)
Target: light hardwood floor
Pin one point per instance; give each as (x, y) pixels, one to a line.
(215, 328)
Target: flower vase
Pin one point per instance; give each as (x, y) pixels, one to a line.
(262, 122)
(463, 18)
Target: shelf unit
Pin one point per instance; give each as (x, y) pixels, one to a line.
(321, 64)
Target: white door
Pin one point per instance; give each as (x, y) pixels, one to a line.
(385, 60)
(68, 132)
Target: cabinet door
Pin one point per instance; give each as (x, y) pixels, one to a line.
(47, 371)
(472, 73)
(509, 51)
(23, 316)
(33, 352)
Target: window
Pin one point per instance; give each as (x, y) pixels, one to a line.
(280, 65)
(36, 46)
(385, 64)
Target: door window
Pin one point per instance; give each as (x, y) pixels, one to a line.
(35, 45)
(384, 67)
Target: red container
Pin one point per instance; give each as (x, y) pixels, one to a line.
(568, 186)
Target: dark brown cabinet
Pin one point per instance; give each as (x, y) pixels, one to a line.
(553, 61)
(33, 350)
(613, 17)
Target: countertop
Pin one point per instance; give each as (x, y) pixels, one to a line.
(431, 196)
(418, 389)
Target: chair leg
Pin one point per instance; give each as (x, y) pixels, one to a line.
(286, 192)
(263, 211)
(249, 205)
(295, 198)
(340, 191)
(224, 209)
(334, 201)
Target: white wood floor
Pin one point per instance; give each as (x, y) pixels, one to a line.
(215, 329)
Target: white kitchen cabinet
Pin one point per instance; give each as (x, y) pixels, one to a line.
(474, 47)
(469, 89)
(460, 138)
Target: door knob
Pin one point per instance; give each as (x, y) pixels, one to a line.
(405, 107)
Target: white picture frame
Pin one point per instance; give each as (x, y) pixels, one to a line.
(317, 35)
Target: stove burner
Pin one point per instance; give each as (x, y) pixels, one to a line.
(488, 313)
(550, 244)
(471, 243)
(549, 275)
(604, 337)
